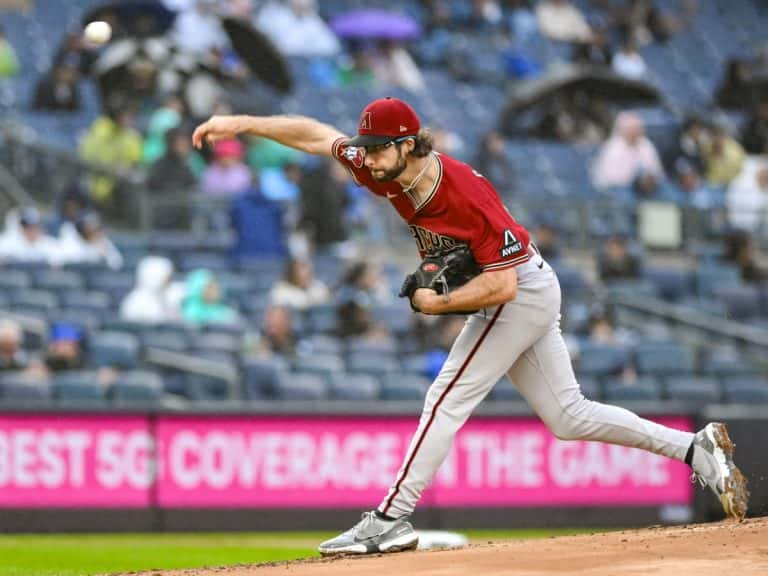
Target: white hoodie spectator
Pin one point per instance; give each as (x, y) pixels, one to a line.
(628, 62)
(298, 289)
(297, 29)
(198, 30)
(155, 298)
(24, 240)
(560, 20)
(86, 243)
(747, 196)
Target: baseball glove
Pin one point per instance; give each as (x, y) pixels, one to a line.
(442, 271)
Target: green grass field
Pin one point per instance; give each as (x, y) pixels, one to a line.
(83, 554)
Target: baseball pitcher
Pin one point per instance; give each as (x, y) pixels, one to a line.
(478, 261)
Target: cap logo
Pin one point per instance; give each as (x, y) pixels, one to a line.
(403, 128)
(365, 121)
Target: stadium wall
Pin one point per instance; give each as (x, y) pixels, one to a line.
(62, 471)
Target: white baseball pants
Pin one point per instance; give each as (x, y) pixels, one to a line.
(521, 338)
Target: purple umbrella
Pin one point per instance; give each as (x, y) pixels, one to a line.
(378, 24)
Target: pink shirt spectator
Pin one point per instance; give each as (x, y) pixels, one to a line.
(227, 175)
(626, 155)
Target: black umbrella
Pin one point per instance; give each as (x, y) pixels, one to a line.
(140, 18)
(588, 80)
(261, 56)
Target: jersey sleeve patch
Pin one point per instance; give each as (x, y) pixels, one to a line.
(513, 252)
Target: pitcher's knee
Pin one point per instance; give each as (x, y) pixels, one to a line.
(566, 424)
(565, 429)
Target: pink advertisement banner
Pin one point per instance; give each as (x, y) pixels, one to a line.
(318, 462)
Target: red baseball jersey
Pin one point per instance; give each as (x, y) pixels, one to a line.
(462, 208)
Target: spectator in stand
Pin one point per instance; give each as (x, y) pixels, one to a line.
(277, 334)
(393, 66)
(486, 14)
(646, 23)
(562, 21)
(650, 187)
(227, 175)
(9, 62)
(628, 62)
(723, 157)
(203, 301)
(297, 29)
(546, 240)
(324, 198)
(695, 191)
(198, 30)
(617, 262)
(25, 240)
(263, 153)
(747, 196)
(691, 142)
(626, 154)
(521, 20)
(298, 289)
(168, 116)
(58, 91)
(155, 299)
(362, 288)
(739, 249)
(112, 142)
(173, 175)
(65, 348)
(603, 330)
(755, 134)
(12, 356)
(493, 163)
(87, 243)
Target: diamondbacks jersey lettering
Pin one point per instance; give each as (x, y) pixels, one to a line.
(462, 208)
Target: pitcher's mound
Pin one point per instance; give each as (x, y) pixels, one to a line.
(701, 549)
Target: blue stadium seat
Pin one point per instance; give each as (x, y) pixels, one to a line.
(383, 348)
(696, 390)
(746, 390)
(663, 358)
(742, 302)
(728, 364)
(505, 390)
(404, 386)
(590, 387)
(162, 339)
(670, 283)
(204, 387)
(55, 280)
(205, 260)
(372, 363)
(40, 299)
(22, 388)
(348, 386)
(261, 378)
(137, 388)
(321, 319)
(114, 282)
(397, 317)
(298, 386)
(323, 344)
(114, 349)
(646, 388)
(323, 364)
(710, 277)
(601, 359)
(89, 300)
(217, 342)
(11, 280)
(79, 388)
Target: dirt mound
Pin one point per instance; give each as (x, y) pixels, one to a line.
(700, 549)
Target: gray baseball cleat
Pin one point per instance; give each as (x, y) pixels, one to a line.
(372, 535)
(713, 466)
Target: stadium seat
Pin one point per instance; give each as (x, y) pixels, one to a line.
(404, 386)
(78, 388)
(137, 388)
(22, 388)
(323, 364)
(663, 358)
(373, 363)
(40, 299)
(323, 344)
(745, 390)
(711, 277)
(114, 349)
(217, 342)
(303, 386)
(93, 300)
(55, 280)
(696, 390)
(742, 302)
(601, 359)
(383, 348)
(11, 280)
(728, 364)
(505, 390)
(261, 378)
(670, 283)
(165, 340)
(321, 319)
(348, 386)
(643, 389)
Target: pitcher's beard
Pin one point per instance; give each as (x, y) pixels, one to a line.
(392, 173)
